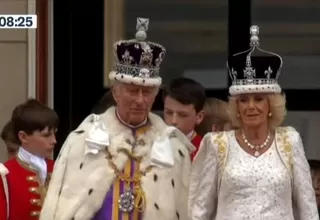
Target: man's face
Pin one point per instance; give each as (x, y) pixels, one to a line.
(183, 117)
(315, 174)
(40, 143)
(134, 102)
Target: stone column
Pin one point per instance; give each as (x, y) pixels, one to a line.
(113, 31)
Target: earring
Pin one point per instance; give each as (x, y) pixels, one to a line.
(270, 114)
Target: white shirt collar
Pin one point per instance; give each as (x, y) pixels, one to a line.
(35, 162)
(131, 126)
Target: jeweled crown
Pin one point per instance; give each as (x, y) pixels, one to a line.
(254, 70)
(138, 57)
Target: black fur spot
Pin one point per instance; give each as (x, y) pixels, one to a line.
(60, 192)
(181, 154)
(121, 76)
(172, 182)
(155, 177)
(156, 205)
(79, 132)
(90, 191)
(178, 215)
(128, 141)
(81, 164)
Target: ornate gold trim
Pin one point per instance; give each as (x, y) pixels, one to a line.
(285, 147)
(220, 141)
(43, 187)
(26, 166)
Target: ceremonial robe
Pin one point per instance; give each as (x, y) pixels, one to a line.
(83, 178)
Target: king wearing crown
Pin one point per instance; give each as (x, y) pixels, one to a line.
(125, 164)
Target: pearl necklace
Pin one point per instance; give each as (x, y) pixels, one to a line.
(257, 147)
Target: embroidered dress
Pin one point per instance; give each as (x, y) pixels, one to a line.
(260, 184)
(229, 184)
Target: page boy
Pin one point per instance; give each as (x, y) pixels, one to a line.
(184, 100)
(26, 176)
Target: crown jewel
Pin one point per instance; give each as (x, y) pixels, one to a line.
(137, 60)
(254, 70)
(254, 32)
(142, 28)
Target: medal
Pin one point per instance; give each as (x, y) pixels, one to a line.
(126, 201)
(133, 197)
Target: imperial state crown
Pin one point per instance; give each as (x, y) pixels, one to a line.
(137, 61)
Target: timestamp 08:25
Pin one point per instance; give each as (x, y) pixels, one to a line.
(18, 21)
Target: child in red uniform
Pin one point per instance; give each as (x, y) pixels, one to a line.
(26, 176)
(184, 99)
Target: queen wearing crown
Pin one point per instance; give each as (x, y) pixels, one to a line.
(125, 164)
(260, 170)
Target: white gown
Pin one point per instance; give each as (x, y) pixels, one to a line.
(241, 186)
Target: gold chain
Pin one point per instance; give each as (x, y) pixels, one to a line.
(139, 194)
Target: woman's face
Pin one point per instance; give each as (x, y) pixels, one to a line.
(253, 109)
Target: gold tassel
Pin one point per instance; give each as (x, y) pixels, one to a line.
(140, 200)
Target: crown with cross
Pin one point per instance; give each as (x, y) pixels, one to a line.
(138, 61)
(254, 70)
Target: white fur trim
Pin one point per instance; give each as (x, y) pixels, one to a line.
(76, 174)
(174, 132)
(246, 89)
(3, 170)
(150, 82)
